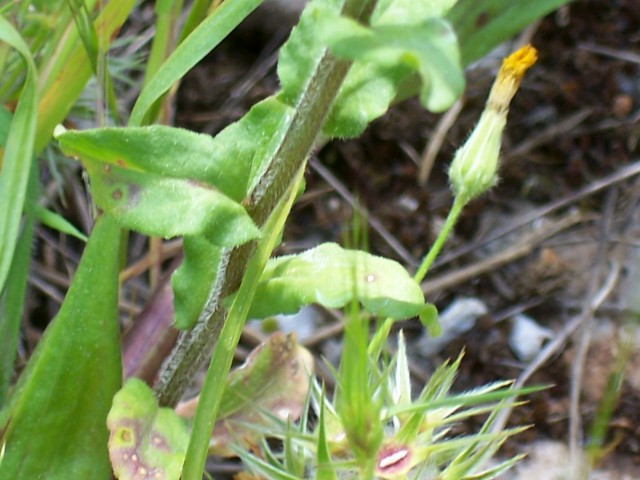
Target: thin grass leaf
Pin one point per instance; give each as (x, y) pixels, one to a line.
(58, 222)
(293, 454)
(74, 72)
(325, 470)
(467, 399)
(482, 25)
(167, 14)
(496, 470)
(193, 49)
(13, 297)
(260, 467)
(197, 13)
(18, 154)
(95, 52)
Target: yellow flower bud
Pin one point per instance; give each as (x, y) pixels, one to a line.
(475, 164)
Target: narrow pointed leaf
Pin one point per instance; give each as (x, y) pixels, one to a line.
(193, 49)
(54, 425)
(481, 25)
(57, 222)
(18, 154)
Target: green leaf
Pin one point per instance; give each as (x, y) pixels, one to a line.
(193, 280)
(68, 76)
(54, 424)
(300, 52)
(326, 470)
(169, 207)
(193, 49)
(167, 151)
(12, 302)
(429, 47)
(394, 12)
(239, 152)
(481, 25)
(57, 222)
(146, 441)
(5, 124)
(332, 276)
(406, 38)
(140, 175)
(214, 384)
(18, 154)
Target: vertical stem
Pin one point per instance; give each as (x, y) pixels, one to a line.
(458, 204)
(215, 380)
(312, 108)
(378, 340)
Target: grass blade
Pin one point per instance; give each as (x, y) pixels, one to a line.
(18, 154)
(194, 48)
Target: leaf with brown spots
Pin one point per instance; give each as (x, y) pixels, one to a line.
(274, 381)
(146, 442)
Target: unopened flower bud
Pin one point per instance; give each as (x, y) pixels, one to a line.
(474, 169)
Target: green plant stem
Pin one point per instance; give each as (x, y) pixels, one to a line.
(458, 204)
(312, 108)
(215, 380)
(377, 342)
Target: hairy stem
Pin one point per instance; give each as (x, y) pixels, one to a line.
(313, 106)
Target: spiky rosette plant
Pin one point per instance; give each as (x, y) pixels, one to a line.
(394, 435)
